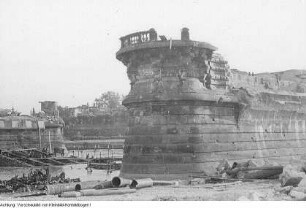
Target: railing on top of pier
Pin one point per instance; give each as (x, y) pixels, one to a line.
(138, 37)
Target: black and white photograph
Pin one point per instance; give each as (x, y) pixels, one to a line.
(161, 100)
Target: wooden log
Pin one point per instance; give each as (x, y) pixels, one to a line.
(70, 194)
(31, 194)
(60, 188)
(120, 182)
(219, 179)
(165, 183)
(65, 187)
(141, 183)
(269, 168)
(211, 186)
(259, 174)
(94, 192)
(104, 185)
(87, 185)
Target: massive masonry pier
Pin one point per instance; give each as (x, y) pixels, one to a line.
(188, 110)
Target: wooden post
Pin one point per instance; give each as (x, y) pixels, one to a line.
(108, 161)
(108, 150)
(50, 143)
(39, 135)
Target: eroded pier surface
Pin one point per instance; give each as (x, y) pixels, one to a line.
(187, 114)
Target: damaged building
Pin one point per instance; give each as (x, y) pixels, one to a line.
(43, 131)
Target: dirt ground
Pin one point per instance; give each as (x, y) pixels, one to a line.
(260, 190)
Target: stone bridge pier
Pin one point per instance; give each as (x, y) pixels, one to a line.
(171, 104)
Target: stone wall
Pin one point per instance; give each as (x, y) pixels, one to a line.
(96, 127)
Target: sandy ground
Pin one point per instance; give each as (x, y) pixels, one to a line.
(258, 190)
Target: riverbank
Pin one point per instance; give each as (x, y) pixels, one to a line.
(260, 190)
(197, 190)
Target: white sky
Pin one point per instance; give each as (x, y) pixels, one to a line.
(64, 50)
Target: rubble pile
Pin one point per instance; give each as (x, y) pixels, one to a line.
(36, 180)
(293, 182)
(247, 170)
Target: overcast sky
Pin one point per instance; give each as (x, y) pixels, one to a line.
(64, 50)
